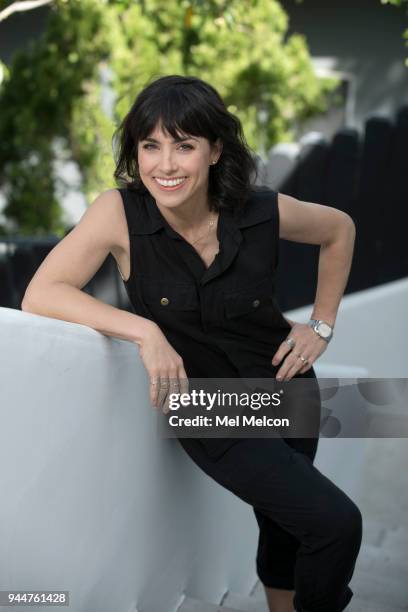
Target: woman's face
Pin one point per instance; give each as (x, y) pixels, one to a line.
(185, 163)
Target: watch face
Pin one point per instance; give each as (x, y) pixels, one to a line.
(324, 330)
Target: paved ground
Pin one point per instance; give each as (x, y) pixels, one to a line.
(380, 581)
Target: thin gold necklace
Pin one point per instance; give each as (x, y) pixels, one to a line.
(210, 225)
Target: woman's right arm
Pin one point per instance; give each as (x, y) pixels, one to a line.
(56, 289)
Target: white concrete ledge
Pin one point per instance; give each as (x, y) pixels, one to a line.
(94, 501)
(97, 503)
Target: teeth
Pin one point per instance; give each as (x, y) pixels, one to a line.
(170, 183)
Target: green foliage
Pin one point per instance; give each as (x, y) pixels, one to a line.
(37, 103)
(53, 89)
(400, 3)
(394, 2)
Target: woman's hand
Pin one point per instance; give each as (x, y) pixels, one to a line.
(164, 366)
(306, 344)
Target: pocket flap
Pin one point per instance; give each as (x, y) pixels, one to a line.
(169, 295)
(250, 299)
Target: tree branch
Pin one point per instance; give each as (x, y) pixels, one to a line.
(17, 7)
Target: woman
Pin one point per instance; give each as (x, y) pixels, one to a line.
(197, 246)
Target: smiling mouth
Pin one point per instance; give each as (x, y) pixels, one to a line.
(170, 183)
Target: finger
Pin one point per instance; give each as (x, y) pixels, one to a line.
(163, 390)
(302, 365)
(286, 366)
(173, 386)
(154, 388)
(173, 393)
(295, 369)
(282, 351)
(166, 403)
(184, 382)
(313, 358)
(293, 363)
(307, 366)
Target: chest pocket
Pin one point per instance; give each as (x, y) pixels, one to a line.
(251, 299)
(168, 296)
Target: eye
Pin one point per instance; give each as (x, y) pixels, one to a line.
(146, 146)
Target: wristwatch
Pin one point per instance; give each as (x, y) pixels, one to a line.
(322, 329)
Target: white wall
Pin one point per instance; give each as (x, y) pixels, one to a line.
(369, 342)
(97, 503)
(371, 330)
(94, 501)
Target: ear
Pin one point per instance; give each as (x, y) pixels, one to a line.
(217, 147)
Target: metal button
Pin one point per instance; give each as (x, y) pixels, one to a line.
(256, 303)
(164, 301)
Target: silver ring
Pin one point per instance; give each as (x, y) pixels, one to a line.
(290, 342)
(164, 385)
(174, 384)
(154, 382)
(303, 359)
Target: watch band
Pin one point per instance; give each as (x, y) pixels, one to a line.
(314, 324)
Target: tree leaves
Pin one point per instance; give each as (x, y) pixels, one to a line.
(54, 89)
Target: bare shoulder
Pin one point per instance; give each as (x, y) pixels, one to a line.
(110, 203)
(109, 216)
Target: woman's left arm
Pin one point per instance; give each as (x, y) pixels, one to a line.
(335, 232)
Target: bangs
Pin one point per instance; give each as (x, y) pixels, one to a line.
(175, 113)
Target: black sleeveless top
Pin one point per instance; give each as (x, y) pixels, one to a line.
(223, 321)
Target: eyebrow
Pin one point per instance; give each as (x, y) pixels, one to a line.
(174, 141)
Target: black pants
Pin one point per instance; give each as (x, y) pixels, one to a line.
(309, 530)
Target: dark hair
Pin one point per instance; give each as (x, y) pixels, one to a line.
(187, 105)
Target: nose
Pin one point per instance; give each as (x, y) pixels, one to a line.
(167, 164)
